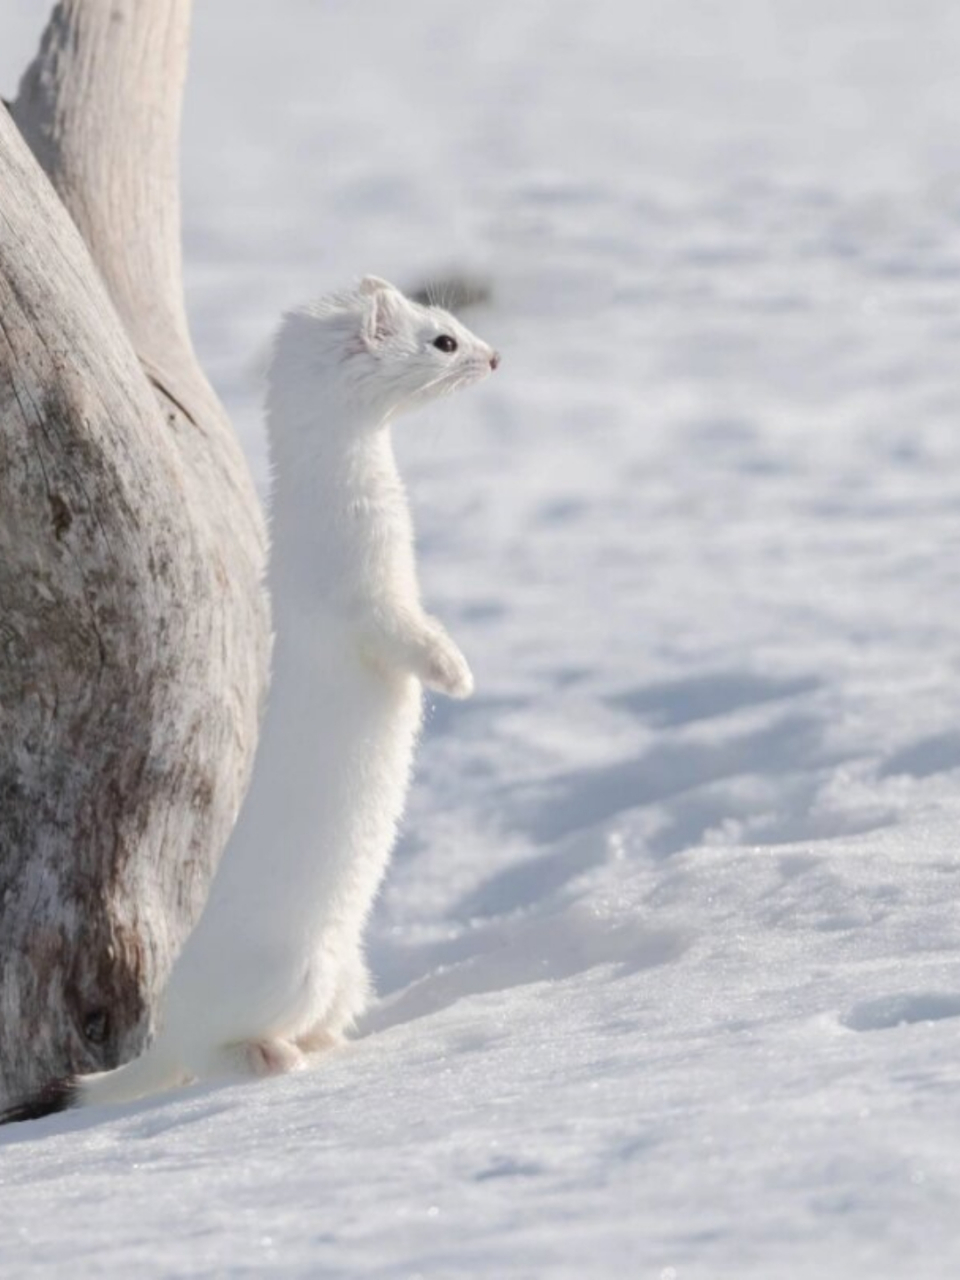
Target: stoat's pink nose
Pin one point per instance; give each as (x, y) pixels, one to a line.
(494, 359)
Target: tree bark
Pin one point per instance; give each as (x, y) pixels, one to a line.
(134, 629)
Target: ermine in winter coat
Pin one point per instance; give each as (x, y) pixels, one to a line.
(274, 969)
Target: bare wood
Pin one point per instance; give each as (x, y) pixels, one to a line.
(134, 630)
(100, 108)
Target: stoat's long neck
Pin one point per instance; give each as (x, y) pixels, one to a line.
(340, 526)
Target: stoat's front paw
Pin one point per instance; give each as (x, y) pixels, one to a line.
(444, 668)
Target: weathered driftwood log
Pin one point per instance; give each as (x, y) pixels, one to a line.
(134, 629)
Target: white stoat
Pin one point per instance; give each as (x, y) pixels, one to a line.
(274, 968)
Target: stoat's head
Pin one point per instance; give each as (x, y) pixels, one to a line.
(374, 351)
(412, 354)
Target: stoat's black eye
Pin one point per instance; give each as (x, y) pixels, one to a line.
(445, 343)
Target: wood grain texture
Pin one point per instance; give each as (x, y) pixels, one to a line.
(134, 628)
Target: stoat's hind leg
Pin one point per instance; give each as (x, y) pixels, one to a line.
(273, 1057)
(351, 996)
(319, 1039)
(269, 1056)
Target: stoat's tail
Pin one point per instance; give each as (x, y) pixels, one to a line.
(152, 1072)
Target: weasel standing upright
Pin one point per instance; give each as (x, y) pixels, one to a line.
(274, 968)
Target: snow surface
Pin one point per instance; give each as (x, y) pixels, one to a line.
(669, 953)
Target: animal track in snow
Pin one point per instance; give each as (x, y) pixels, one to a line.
(937, 754)
(571, 802)
(678, 702)
(902, 1010)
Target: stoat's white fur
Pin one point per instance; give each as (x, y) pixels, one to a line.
(275, 967)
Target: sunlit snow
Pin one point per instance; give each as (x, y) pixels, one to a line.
(668, 956)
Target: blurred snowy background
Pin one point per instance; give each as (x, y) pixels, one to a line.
(669, 953)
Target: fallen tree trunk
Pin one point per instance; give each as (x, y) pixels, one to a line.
(134, 630)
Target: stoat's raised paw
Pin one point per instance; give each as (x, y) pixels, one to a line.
(420, 647)
(445, 669)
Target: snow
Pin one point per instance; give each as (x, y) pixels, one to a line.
(668, 954)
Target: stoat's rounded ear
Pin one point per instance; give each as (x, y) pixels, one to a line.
(382, 311)
(373, 284)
